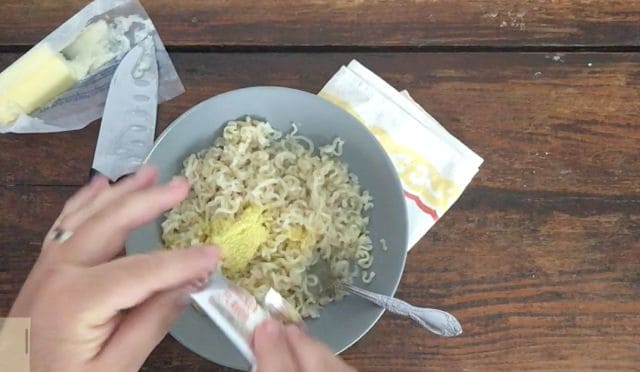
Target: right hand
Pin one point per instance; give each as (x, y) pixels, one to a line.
(280, 348)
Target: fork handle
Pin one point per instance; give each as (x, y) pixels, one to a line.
(437, 321)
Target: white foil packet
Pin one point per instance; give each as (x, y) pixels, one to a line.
(237, 313)
(84, 102)
(434, 166)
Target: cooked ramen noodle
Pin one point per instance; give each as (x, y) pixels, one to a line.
(275, 205)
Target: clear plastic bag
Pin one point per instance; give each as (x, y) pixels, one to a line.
(83, 102)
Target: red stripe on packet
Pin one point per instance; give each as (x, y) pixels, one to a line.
(423, 207)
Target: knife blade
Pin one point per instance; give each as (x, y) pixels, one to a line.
(128, 123)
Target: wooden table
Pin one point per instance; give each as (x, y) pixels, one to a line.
(539, 259)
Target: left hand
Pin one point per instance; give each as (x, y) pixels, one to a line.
(91, 312)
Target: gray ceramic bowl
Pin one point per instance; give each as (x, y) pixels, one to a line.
(341, 323)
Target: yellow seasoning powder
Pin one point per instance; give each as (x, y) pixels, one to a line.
(239, 238)
(299, 238)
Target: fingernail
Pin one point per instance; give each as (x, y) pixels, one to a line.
(177, 182)
(272, 328)
(140, 171)
(195, 284)
(144, 170)
(296, 331)
(201, 282)
(212, 254)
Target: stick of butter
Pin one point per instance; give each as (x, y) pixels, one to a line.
(33, 80)
(42, 73)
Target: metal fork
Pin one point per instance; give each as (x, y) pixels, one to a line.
(437, 321)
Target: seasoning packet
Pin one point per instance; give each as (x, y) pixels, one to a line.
(62, 82)
(237, 313)
(434, 166)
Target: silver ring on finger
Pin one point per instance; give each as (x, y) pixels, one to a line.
(60, 235)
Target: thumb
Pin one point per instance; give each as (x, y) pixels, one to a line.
(142, 329)
(271, 349)
(129, 281)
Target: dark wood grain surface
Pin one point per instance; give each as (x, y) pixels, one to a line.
(357, 22)
(540, 258)
(541, 124)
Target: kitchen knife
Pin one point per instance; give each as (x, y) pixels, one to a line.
(129, 119)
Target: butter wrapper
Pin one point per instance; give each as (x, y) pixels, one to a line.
(434, 166)
(62, 83)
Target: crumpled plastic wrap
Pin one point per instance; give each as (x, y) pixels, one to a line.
(84, 102)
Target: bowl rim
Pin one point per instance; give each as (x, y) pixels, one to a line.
(395, 179)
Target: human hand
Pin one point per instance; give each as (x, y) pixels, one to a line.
(91, 312)
(280, 348)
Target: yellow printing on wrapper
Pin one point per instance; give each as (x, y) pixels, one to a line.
(413, 169)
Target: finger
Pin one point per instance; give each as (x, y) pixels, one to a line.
(82, 197)
(101, 237)
(85, 194)
(129, 281)
(271, 348)
(142, 329)
(144, 178)
(313, 355)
